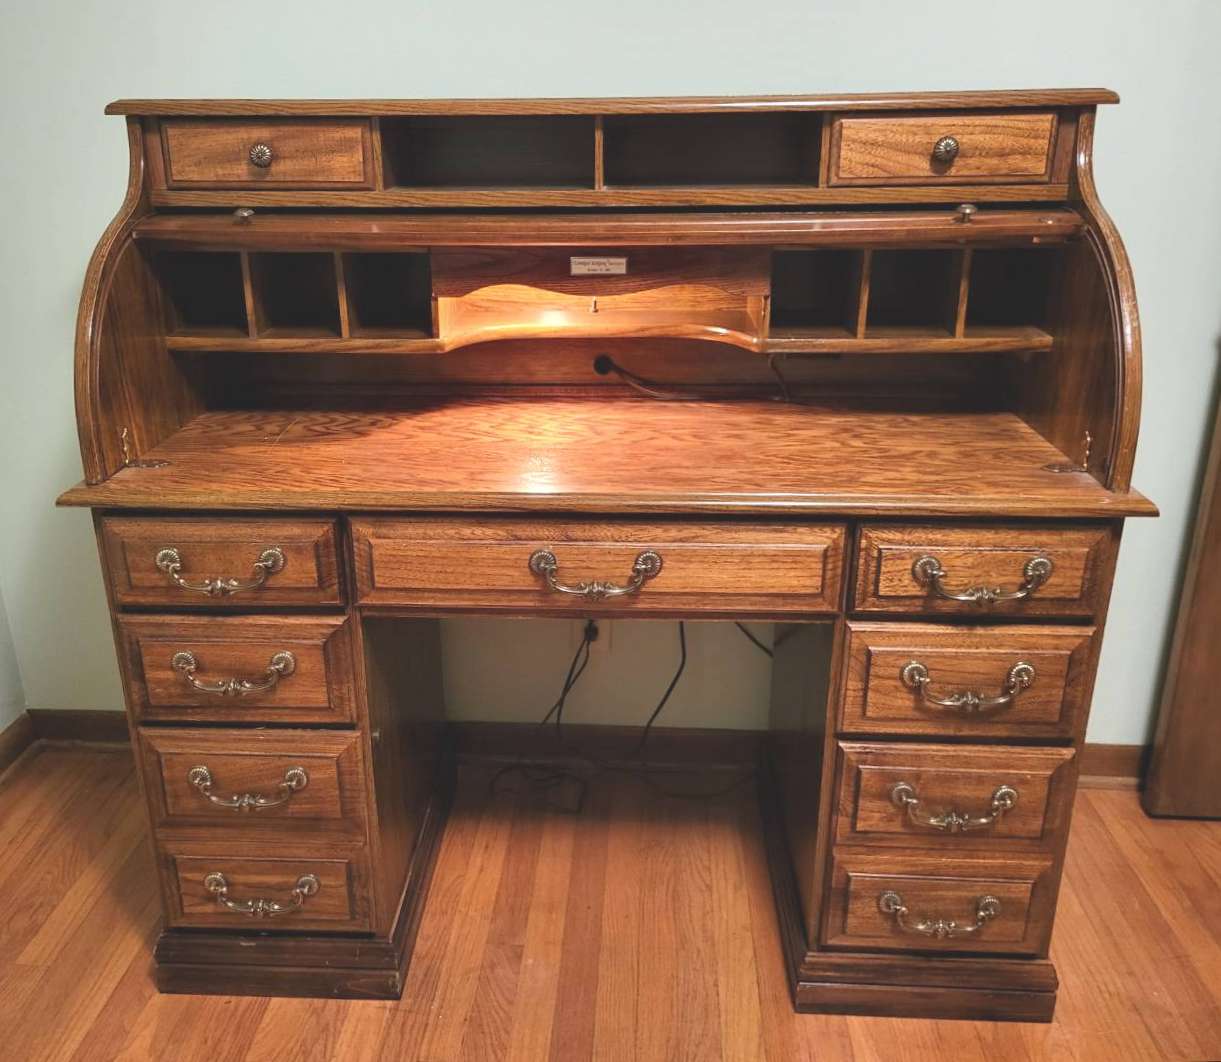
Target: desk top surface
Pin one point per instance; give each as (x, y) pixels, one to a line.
(612, 456)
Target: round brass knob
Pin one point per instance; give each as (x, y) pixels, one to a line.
(946, 149)
(260, 155)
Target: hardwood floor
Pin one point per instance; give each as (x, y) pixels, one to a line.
(640, 929)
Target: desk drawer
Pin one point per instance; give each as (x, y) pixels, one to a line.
(209, 887)
(239, 669)
(215, 563)
(947, 797)
(999, 681)
(282, 785)
(982, 571)
(941, 149)
(255, 153)
(913, 902)
(715, 567)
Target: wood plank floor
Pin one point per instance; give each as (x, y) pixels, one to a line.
(640, 929)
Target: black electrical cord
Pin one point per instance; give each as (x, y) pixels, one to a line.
(749, 635)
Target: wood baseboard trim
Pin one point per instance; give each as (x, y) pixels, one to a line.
(15, 739)
(64, 724)
(1112, 766)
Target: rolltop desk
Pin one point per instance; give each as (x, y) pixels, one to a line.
(867, 367)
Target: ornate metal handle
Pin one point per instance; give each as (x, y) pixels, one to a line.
(927, 571)
(986, 909)
(307, 885)
(946, 149)
(270, 561)
(903, 795)
(281, 665)
(294, 778)
(969, 702)
(260, 155)
(647, 564)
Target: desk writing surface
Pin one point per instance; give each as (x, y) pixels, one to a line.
(619, 455)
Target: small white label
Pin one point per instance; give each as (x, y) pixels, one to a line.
(588, 267)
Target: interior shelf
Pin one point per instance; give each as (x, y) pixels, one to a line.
(203, 293)
(294, 294)
(572, 455)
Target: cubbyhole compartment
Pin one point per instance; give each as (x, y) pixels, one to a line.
(295, 294)
(913, 291)
(814, 293)
(388, 294)
(711, 149)
(203, 292)
(489, 152)
(1011, 287)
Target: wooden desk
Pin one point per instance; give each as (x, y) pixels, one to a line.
(865, 366)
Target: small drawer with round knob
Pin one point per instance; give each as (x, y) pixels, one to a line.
(257, 153)
(947, 148)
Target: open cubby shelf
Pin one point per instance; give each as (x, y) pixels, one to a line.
(811, 301)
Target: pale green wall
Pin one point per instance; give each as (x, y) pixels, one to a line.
(64, 166)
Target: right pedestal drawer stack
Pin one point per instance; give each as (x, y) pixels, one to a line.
(965, 684)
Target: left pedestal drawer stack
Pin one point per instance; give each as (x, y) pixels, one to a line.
(240, 673)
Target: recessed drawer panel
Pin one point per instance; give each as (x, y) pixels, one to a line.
(614, 567)
(218, 563)
(907, 901)
(947, 797)
(213, 888)
(983, 571)
(239, 669)
(255, 153)
(942, 149)
(999, 681)
(283, 784)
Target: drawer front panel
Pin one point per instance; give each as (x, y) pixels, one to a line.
(717, 567)
(945, 149)
(282, 784)
(910, 902)
(221, 563)
(310, 154)
(1032, 571)
(926, 679)
(239, 669)
(307, 893)
(949, 797)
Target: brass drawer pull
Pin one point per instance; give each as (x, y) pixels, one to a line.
(1021, 676)
(260, 155)
(295, 778)
(281, 665)
(927, 571)
(904, 795)
(307, 885)
(270, 561)
(946, 149)
(986, 909)
(647, 564)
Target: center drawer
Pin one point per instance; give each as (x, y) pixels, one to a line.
(731, 567)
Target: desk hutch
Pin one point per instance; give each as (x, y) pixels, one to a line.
(867, 367)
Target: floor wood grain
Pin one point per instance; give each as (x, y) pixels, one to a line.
(641, 928)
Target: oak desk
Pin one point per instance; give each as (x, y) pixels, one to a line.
(864, 366)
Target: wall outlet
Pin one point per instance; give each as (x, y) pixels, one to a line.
(601, 646)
